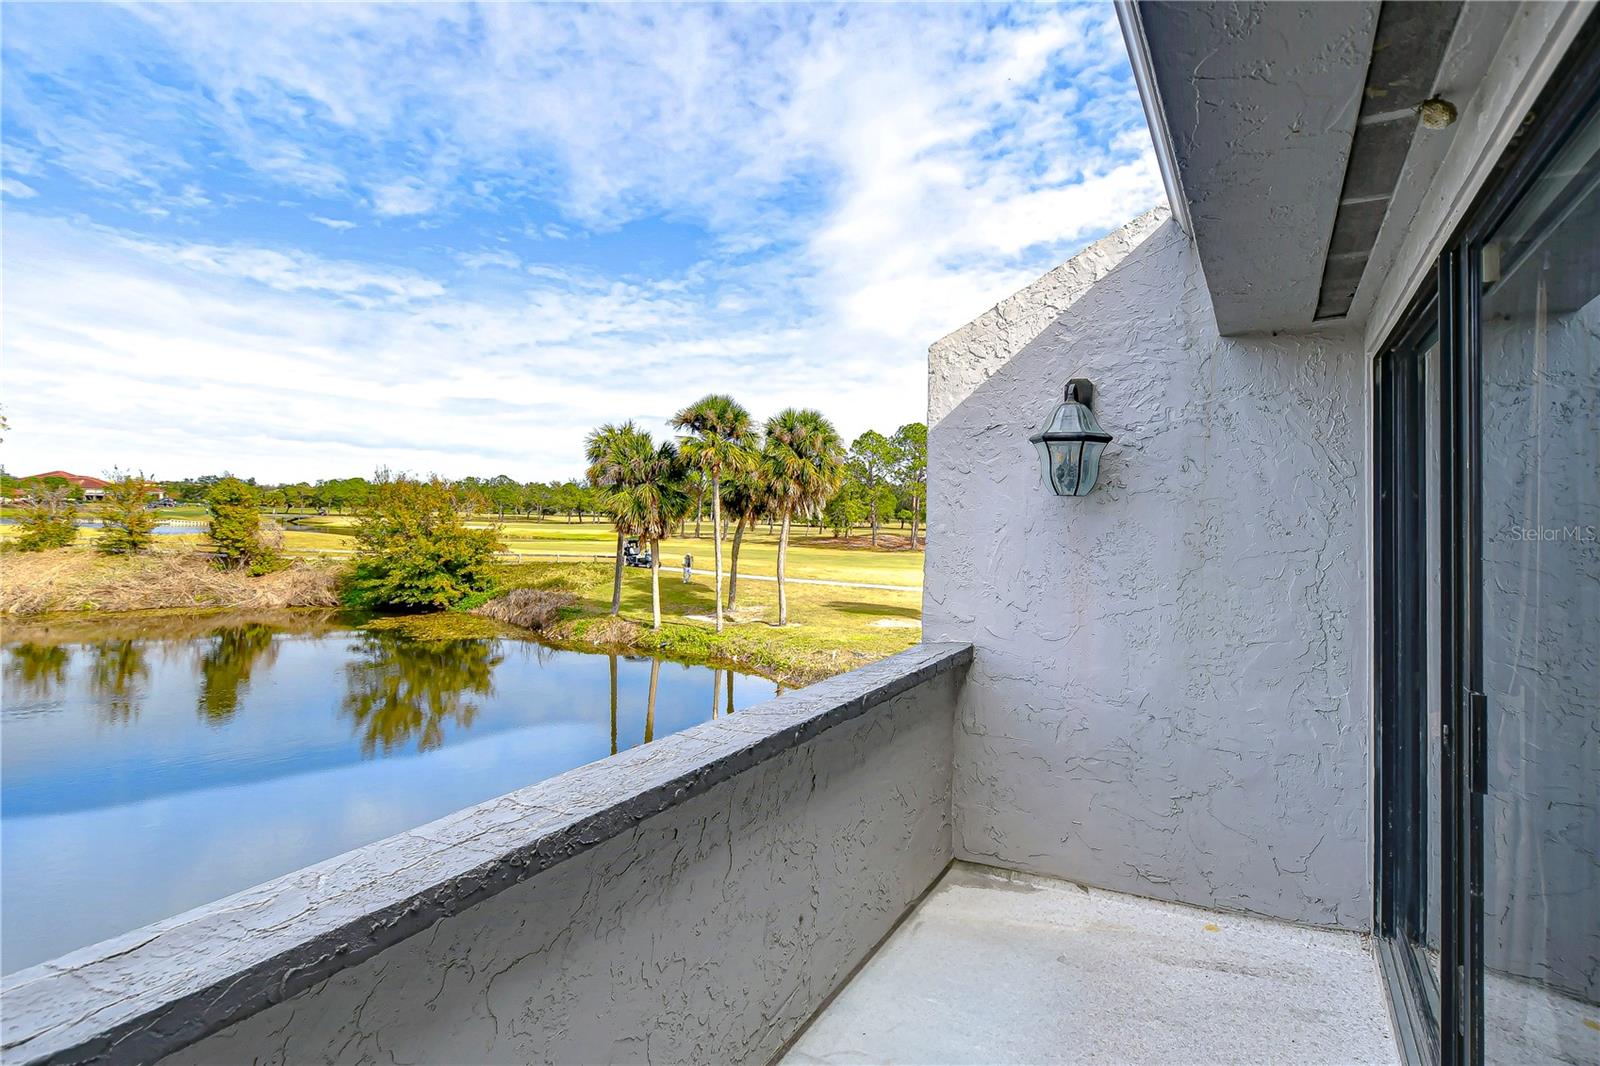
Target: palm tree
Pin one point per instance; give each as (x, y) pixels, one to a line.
(720, 442)
(744, 501)
(613, 452)
(653, 497)
(802, 466)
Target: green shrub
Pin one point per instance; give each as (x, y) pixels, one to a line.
(129, 522)
(236, 527)
(415, 550)
(44, 527)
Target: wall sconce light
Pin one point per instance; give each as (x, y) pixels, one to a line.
(1071, 442)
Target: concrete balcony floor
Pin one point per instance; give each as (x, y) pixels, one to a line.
(1001, 967)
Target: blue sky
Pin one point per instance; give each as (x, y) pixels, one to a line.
(302, 242)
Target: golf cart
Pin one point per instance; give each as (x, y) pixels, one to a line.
(632, 556)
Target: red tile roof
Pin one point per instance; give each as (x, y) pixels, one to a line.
(83, 481)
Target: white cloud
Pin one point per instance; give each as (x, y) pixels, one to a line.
(17, 189)
(489, 258)
(408, 196)
(866, 179)
(287, 271)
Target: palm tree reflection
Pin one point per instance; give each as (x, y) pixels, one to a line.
(403, 690)
(225, 667)
(114, 673)
(37, 669)
(613, 703)
(650, 707)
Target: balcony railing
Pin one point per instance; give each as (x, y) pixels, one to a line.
(694, 899)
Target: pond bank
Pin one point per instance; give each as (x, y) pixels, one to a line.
(828, 634)
(77, 579)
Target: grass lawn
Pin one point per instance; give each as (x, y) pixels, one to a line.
(810, 556)
(830, 629)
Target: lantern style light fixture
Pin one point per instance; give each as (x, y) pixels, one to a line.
(1071, 442)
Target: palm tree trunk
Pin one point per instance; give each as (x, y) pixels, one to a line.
(783, 556)
(915, 505)
(650, 705)
(699, 507)
(733, 563)
(613, 703)
(716, 542)
(655, 583)
(616, 579)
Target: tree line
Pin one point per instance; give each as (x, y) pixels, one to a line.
(884, 482)
(415, 549)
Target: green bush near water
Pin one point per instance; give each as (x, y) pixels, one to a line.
(48, 523)
(235, 511)
(129, 523)
(415, 550)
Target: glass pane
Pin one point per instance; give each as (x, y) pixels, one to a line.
(1541, 618)
(1433, 650)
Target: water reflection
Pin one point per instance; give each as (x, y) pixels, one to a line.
(116, 668)
(403, 691)
(613, 657)
(226, 665)
(252, 744)
(36, 670)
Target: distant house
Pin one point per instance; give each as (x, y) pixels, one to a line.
(94, 488)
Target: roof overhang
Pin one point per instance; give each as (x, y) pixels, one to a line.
(1253, 108)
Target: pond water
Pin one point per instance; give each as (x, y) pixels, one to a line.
(147, 773)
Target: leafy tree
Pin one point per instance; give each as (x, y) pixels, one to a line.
(802, 465)
(129, 523)
(872, 464)
(414, 548)
(614, 453)
(235, 510)
(720, 441)
(911, 469)
(297, 495)
(845, 509)
(503, 493)
(49, 522)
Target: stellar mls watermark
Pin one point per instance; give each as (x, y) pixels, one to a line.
(1557, 534)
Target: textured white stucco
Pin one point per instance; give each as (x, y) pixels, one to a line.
(1168, 694)
(708, 933)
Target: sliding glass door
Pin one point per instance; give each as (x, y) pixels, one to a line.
(1487, 478)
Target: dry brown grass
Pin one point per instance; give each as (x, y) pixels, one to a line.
(78, 580)
(530, 608)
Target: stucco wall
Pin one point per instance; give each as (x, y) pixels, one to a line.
(1168, 694)
(708, 933)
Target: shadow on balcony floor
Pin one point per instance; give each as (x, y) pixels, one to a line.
(1002, 967)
